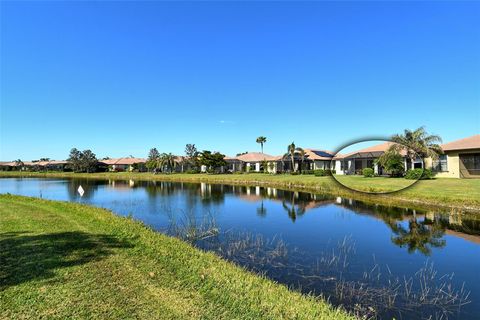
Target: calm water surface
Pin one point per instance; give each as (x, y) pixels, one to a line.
(374, 260)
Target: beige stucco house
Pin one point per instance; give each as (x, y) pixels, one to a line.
(461, 159)
(253, 162)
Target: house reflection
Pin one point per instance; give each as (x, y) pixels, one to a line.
(415, 230)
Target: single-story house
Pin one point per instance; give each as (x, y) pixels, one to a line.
(319, 159)
(313, 159)
(253, 162)
(354, 162)
(124, 164)
(461, 159)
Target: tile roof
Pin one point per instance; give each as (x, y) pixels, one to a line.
(123, 161)
(472, 142)
(255, 157)
(318, 154)
(376, 149)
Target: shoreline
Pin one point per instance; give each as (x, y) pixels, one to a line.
(421, 195)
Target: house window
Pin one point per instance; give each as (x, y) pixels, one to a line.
(344, 165)
(440, 165)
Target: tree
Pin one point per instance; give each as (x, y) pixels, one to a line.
(85, 161)
(392, 162)
(418, 143)
(192, 156)
(302, 158)
(291, 151)
(44, 159)
(74, 160)
(19, 164)
(262, 140)
(265, 166)
(153, 159)
(213, 161)
(88, 161)
(167, 162)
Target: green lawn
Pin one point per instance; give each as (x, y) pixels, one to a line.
(457, 193)
(374, 184)
(69, 261)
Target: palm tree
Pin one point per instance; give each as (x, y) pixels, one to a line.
(291, 151)
(261, 140)
(167, 160)
(418, 143)
(301, 152)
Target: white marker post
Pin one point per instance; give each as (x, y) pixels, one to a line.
(80, 191)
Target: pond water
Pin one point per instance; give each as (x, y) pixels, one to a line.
(376, 261)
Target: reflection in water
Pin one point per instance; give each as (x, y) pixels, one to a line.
(262, 210)
(419, 236)
(294, 210)
(377, 292)
(89, 188)
(311, 242)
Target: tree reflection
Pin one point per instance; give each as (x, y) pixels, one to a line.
(419, 236)
(294, 209)
(262, 211)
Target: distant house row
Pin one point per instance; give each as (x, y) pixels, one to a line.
(54, 165)
(461, 159)
(312, 159)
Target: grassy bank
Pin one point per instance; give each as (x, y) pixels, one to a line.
(455, 193)
(64, 260)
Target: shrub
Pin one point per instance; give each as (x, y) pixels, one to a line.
(323, 172)
(307, 171)
(368, 173)
(191, 171)
(414, 174)
(428, 174)
(423, 174)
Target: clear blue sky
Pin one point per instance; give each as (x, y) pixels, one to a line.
(120, 78)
